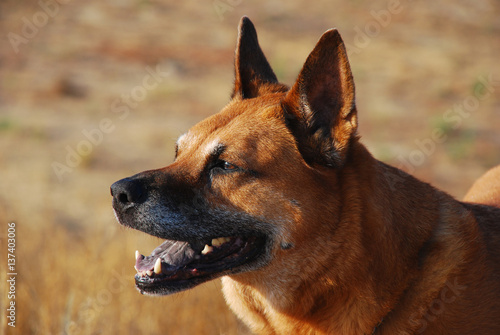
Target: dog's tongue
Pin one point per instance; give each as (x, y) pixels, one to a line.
(175, 254)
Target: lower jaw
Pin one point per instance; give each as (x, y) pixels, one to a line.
(167, 287)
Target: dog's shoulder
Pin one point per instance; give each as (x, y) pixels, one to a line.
(486, 190)
(488, 221)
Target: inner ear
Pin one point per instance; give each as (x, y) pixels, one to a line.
(252, 70)
(323, 100)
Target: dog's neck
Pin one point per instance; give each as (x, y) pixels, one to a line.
(409, 224)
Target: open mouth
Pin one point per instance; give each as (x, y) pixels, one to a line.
(177, 265)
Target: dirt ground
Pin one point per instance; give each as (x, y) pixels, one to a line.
(94, 91)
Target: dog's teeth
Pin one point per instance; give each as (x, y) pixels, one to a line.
(135, 267)
(219, 241)
(149, 273)
(137, 254)
(216, 242)
(158, 266)
(207, 249)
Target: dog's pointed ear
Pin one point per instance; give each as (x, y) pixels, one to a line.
(320, 107)
(251, 67)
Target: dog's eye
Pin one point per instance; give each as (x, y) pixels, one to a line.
(226, 166)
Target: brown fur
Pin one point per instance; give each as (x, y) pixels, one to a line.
(358, 247)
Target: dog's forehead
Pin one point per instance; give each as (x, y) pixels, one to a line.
(239, 119)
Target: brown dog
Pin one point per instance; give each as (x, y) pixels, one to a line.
(310, 233)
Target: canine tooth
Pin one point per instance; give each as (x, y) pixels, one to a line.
(137, 254)
(149, 273)
(207, 249)
(158, 266)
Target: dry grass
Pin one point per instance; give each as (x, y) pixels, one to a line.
(75, 263)
(80, 283)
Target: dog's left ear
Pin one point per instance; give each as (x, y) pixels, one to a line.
(320, 108)
(251, 68)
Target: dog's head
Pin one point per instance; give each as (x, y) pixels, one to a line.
(248, 183)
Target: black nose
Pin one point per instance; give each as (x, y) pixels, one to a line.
(127, 193)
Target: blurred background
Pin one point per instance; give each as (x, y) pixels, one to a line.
(94, 91)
